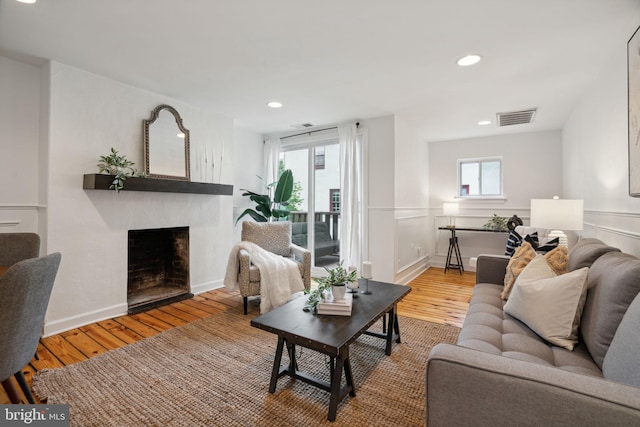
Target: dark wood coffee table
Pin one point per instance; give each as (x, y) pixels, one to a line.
(332, 336)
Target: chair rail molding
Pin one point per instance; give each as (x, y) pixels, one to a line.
(613, 230)
(12, 223)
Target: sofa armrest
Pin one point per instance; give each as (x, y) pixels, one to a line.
(491, 269)
(304, 257)
(470, 387)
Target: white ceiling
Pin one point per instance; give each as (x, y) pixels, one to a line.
(331, 61)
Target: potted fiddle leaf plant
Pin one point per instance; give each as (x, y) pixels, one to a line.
(336, 281)
(274, 204)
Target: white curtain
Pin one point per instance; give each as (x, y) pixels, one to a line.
(350, 196)
(271, 160)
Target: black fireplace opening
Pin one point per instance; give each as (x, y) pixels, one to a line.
(158, 268)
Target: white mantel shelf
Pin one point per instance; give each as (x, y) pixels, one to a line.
(96, 181)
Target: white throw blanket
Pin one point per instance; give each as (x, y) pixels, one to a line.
(279, 276)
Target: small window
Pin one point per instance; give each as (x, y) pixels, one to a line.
(480, 177)
(334, 203)
(319, 157)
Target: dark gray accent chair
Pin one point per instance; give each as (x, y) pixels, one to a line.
(25, 289)
(16, 247)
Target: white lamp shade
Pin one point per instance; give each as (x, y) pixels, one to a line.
(450, 208)
(557, 214)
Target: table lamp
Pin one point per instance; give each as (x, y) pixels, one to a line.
(557, 215)
(450, 209)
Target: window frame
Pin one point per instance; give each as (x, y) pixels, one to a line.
(480, 161)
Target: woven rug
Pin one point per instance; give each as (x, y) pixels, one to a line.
(216, 371)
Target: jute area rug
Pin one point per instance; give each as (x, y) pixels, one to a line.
(216, 371)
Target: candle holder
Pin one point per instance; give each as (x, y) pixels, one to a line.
(366, 289)
(353, 289)
(366, 275)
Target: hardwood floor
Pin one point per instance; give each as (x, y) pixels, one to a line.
(436, 296)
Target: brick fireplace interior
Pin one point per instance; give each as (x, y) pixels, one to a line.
(158, 270)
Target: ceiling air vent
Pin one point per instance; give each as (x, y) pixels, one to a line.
(516, 117)
(302, 126)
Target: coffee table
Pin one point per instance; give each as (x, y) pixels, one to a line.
(331, 335)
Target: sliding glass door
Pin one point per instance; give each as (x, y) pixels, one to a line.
(315, 203)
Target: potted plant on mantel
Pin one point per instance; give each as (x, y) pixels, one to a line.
(337, 281)
(118, 166)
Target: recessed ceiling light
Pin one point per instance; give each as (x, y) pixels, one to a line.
(27, 1)
(274, 104)
(465, 61)
(484, 122)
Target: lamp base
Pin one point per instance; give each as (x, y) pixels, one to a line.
(562, 238)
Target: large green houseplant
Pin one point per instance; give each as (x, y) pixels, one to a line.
(272, 205)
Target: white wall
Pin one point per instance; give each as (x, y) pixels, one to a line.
(19, 144)
(248, 150)
(595, 163)
(532, 168)
(381, 215)
(411, 200)
(88, 115)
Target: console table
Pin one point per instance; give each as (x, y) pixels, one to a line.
(454, 249)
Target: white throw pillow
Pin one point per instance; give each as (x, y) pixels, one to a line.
(551, 307)
(536, 269)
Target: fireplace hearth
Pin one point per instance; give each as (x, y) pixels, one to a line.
(158, 268)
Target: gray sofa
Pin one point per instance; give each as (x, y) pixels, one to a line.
(324, 244)
(502, 373)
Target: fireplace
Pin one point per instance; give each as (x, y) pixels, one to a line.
(158, 270)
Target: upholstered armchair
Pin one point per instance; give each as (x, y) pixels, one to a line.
(274, 237)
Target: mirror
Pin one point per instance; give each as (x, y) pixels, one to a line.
(166, 145)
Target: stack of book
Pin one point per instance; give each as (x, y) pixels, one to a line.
(337, 307)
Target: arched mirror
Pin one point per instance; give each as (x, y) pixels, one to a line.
(166, 145)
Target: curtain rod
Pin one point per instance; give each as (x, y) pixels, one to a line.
(313, 131)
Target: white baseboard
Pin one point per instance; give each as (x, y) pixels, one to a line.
(207, 286)
(407, 274)
(72, 322)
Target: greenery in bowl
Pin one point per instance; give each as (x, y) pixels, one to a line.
(118, 166)
(337, 277)
(497, 223)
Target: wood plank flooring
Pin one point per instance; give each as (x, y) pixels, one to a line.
(436, 296)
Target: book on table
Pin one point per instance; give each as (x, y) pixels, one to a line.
(337, 307)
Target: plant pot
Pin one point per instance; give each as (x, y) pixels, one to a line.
(338, 291)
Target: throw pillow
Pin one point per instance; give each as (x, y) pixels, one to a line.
(522, 256)
(545, 266)
(533, 240)
(551, 307)
(558, 260)
(549, 246)
(537, 269)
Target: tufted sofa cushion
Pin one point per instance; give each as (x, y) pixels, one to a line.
(622, 362)
(487, 328)
(614, 281)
